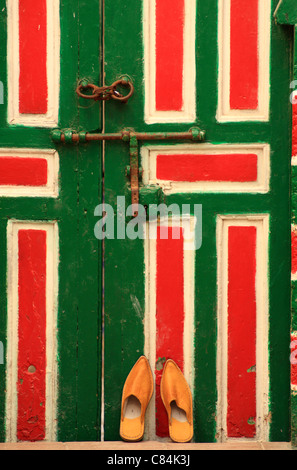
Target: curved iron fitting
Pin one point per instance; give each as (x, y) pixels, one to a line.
(106, 93)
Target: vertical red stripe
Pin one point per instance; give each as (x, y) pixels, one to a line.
(170, 313)
(294, 251)
(293, 359)
(241, 414)
(33, 91)
(244, 60)
(32, 335)
(294, 134)
(170, 22)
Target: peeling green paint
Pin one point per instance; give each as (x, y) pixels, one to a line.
(124, 341)
(294, 283)
(160, 363)
(79, 307)
(286, 12)
(251, 421)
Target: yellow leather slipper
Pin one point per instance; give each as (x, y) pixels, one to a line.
(177, 398)
(137, 392)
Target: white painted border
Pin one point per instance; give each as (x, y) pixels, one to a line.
(188, 114)
(224, 113)
(261, 222)
(51, 189)
(188, 223)
(52, 258)
(149, 158)
(50, 119)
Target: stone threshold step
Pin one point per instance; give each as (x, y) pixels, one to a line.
(145, 445)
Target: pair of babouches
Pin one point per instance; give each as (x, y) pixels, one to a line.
(176, 396)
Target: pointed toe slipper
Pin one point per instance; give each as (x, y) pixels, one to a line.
(137, 393)
(177, 399)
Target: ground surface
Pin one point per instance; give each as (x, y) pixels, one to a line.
(149, 445)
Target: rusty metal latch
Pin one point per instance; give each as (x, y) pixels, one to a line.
(105, 93)
(133, 138)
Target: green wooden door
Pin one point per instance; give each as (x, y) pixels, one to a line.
(222, 310)
(50, 279)
(218, 303)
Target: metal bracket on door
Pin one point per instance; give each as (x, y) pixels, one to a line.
(133, 138)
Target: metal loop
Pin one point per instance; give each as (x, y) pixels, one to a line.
(118, 96)
(98, 93)
(105, 93)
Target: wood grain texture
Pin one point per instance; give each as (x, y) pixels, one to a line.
(79, 305)
(286, 13)
(124, 259)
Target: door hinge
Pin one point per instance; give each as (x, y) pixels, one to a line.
(133, 138)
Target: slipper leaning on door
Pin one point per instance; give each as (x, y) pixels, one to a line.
(137, 392)
(177, 398)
